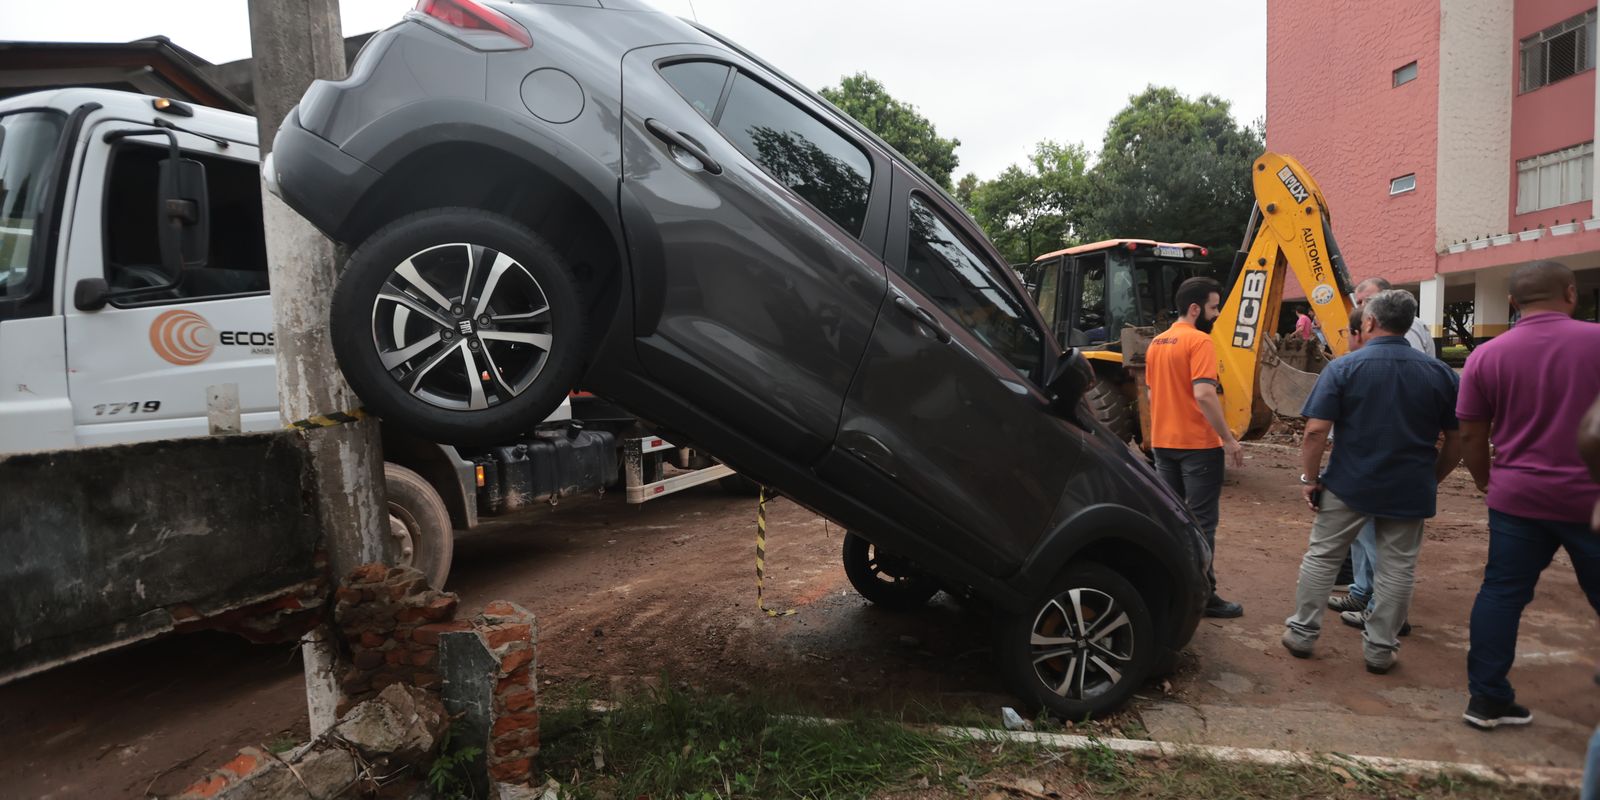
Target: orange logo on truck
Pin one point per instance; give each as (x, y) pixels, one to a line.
(182, 337)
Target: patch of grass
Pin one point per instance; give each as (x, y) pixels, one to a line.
(450, 773)
(673, 744)
(282, 743)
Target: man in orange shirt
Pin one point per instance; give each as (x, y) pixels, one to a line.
(1187, 429)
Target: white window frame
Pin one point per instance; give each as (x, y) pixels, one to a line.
(1401, 81)
(1555, 179)
(1534, 55)
(1395, 186)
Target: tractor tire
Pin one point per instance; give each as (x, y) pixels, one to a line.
(1111, 409)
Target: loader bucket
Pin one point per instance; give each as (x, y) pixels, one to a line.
(1284, 386)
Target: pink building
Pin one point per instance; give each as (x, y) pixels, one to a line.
(1453, 139)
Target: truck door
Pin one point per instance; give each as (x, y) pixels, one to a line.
(756, 226)
(139, 368)
(947, 410)
(35, 164)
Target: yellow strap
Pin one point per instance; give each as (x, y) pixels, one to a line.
(761, 558)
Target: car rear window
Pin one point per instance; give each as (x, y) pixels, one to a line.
(818, 163)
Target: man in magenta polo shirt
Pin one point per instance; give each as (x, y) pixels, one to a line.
(1527, 390)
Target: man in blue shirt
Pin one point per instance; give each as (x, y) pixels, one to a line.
(1390, 404)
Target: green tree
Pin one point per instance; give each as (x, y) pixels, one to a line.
(897, 123)
(1175, 169)
(1035, 208)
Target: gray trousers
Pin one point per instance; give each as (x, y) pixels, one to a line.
(1398, 542)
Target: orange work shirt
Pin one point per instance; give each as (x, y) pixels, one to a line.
(1178, 359)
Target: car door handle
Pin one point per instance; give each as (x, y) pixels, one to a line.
(684, 143)
(922, 316)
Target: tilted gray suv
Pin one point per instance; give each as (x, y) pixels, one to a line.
(544, 195)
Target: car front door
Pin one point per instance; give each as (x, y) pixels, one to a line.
(755, 223)
(947, 427)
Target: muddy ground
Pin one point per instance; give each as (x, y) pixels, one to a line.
(624, 594)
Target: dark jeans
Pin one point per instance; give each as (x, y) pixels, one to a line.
(1196, 475)
(1519, 550)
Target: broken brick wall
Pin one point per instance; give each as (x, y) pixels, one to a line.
(390, 619)
(397, 629)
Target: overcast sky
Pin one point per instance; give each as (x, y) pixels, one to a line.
(997, 74)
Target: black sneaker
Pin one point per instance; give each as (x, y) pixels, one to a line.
(1486, 715)
(1222, 609)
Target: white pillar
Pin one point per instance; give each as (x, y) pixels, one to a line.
(1491, 306)
(1430, 305)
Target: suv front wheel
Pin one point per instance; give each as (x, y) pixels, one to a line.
(1083, 647)
(459, 325)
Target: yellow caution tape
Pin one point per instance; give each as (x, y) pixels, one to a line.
(761, 558)
(329, 420)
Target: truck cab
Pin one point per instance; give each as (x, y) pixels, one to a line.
(100, 343)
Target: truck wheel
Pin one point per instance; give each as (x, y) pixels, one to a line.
(885, 579)
(1108, 405)
(459, 326)
(1083, 647)
(420, 523)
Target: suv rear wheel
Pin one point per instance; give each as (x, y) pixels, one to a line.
(459, 325)
(884, 578)
(1086, 644)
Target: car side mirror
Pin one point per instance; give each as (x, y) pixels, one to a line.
(184, 212)
(1069, 380)
(91, 294)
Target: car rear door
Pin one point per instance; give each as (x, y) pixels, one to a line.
(755, 223)
(947, 427)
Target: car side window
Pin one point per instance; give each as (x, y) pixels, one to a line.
(236, 261)
(818, 163)
(941, 264)
(700, 83)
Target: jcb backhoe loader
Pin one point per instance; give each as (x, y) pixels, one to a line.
(1110, 298)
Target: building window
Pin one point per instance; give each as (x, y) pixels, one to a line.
(1556, 179)
(1403, 184)
(1559, 51)
(1405, 74)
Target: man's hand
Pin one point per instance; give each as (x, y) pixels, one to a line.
(1234, 452)
(1310, 493)
(1482, 484)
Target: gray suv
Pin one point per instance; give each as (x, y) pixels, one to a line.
(542, 195)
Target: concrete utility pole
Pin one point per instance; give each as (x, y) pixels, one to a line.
(295, 42)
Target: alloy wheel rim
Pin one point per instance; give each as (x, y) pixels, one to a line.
(462, 326)
(1081, 644)
(888, 569)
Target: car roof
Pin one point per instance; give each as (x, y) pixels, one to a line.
(1107, 244)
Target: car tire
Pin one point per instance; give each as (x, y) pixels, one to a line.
(502, 309)
(884, 579)
(1080, 677)
(420, 523)
(1111, 408)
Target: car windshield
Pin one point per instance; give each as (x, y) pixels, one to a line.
(28, 141)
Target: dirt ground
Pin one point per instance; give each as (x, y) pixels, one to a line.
(624, 594)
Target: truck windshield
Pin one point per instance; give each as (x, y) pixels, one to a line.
(28, 142)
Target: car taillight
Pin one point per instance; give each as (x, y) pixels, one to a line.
(468, 15)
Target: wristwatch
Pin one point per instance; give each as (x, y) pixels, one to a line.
(1312, 482)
